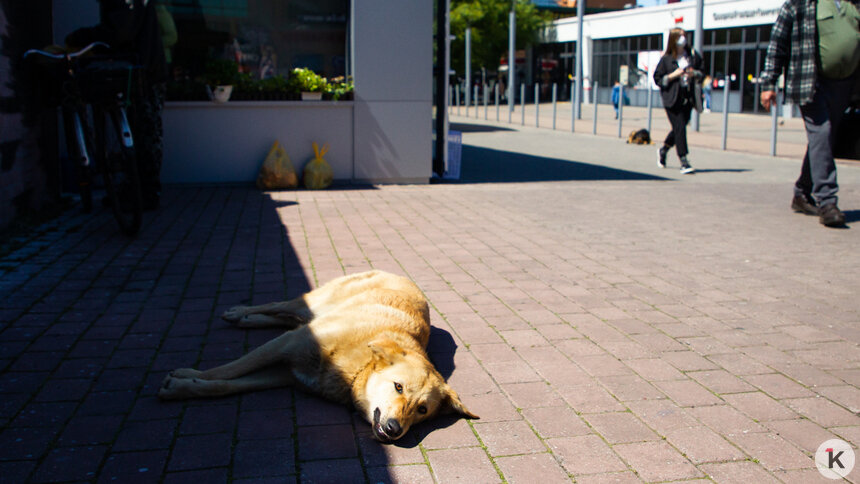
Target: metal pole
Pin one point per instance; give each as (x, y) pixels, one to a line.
(443, 92)
(554, 95)
(650, 103)
(774, 116)
(457, 97)
(523, 103)
(486, 116)
(572, 109)
(537, 106)
(496, 89)
(475, 89)
(620, 107)
(580, 15)
(726, 110)
(468, 68)
(698, 45)
(594, 98)
(512, 39)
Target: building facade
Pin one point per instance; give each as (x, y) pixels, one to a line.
(736, 35)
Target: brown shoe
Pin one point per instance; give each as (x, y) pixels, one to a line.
(802, 204)
(831, 216)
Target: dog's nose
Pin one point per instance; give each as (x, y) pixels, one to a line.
(392, 428)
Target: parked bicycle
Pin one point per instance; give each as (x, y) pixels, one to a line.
(95, 92)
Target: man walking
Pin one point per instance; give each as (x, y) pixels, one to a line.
(818, 43)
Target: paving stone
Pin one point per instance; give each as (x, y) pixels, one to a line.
(464, 465)
(701, 444)
(656, 461)
(508, 438)
(772, 451)
(738, 473)
(823, 412)
(688, 393)
(200, 452)
(585, 454)
(264, 457)
(70, 463)
(555, 422)
(418, 474)
(145, 435)
(532, 468)
(759, 406)
(326, 442)
(619, 428)
(133, 466)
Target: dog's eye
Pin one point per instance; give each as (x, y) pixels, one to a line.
(398, 387)
(422, 409)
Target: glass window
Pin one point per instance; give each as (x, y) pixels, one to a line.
(266, 38)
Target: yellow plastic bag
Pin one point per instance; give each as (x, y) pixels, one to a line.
(277, 172)
(318, 173)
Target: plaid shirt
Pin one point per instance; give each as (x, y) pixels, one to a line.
(794, 45)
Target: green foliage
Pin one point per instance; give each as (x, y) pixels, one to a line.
(306, 80)
(339, 88)
(489, 22)
(221, 72)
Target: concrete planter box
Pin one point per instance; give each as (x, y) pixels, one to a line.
(206, 142)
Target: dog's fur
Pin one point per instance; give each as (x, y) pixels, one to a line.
(640, 137)
(357, 340)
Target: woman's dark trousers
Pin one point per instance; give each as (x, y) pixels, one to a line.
(679, 116)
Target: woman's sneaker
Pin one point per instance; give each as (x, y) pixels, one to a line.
(661, 156)
(686, 169)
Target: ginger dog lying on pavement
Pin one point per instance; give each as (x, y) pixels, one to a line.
(358, 340)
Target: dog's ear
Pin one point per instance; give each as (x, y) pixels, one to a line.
(386, 350)
(452, 404)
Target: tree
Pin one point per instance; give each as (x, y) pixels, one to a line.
(489, 22)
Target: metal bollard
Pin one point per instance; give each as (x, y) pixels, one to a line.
(523, 103)
(554, 94)
(457, 97)
(774, 117)
(594, 97)
(486, 116)
(497, 100)
(450, 99)
(475, 97)
(620, 107)
(726, 111)
(572, 108)
(537, 106)
(650, 103)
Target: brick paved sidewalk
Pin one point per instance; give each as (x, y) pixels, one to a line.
(614, 324)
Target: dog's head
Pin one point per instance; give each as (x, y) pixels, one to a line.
(403, 389)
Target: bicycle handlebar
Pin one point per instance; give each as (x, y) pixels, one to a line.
(72, 55)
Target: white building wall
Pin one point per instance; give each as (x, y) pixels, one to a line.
(718, 14)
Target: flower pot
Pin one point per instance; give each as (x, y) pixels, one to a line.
(220, 94)
(311, 96)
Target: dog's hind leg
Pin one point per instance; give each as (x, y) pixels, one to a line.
(289, 314)
(176, 387)
(269, 353)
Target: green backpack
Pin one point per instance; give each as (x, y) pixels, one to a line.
(838, 38)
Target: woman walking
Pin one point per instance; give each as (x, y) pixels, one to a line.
(677, 74)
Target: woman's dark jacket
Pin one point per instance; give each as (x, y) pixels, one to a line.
(672, 92)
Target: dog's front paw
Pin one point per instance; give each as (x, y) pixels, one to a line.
(185, 373)
(234, 314)
(171, 388)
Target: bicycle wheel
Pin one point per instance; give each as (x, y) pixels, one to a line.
(119, 168)
(79, 146)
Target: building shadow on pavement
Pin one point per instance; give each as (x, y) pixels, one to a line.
(722, 170)
(477, 128)
(485, 165)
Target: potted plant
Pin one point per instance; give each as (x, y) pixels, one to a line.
(220, 77)
(307, 82)
(339, 89)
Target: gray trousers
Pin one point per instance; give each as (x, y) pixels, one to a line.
(822, 117)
